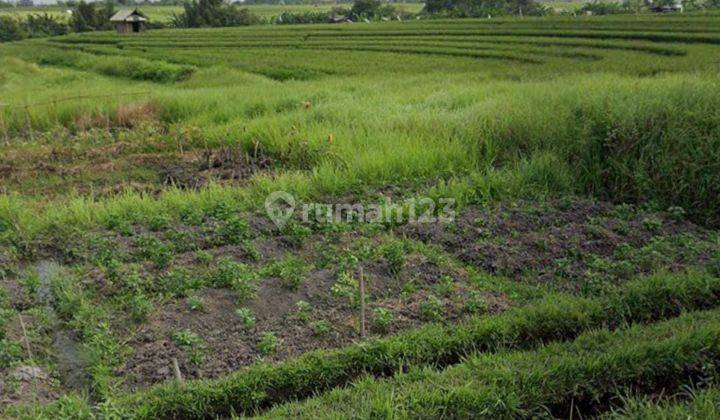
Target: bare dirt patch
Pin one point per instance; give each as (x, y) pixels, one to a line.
(230, 345)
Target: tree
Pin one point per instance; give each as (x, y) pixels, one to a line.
(213, 13)
(11, 29)
(85, 17)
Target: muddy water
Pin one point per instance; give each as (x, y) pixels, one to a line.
(71, 361)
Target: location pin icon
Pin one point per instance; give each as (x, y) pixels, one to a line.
(280, 206)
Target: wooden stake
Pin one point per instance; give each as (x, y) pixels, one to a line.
(4, 125)
(176, 369)
(362, 303)
(25, 336)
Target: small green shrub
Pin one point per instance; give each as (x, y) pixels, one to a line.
(268, 343)
(320, 328)
(192, 344)
(140, 307)
(155, 250)
(476, 303)
(652, 224)
(179, 282)
(290, 270)
(446, 286)
(304, 310)
(394, 254)
(382, 319)
(432, 308)
(234, 231)
(246, 317)
(236, 276)
(196, 303)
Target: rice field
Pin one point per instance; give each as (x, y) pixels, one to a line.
(164, 14)
(575, 271)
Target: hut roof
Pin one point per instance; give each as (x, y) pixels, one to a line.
(128, 16)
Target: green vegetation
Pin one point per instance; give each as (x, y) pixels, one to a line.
(580, 153)
(558, 317)
(595, 368)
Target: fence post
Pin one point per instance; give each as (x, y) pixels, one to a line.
(28, 121)
(362, 303)
(2, 122)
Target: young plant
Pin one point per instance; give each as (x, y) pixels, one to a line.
(204, 258)
(140, 307)
(295, 233)
(446, 286)
(347, 286)
(192, 344)
(382, 319)
(304, 310)
(236, 276)
(268, 343)
(320, 328)
(196, 303)
(394, 254)
(234, 232)
(179, 282)
(432, 308)
(246, 317)
(291, 271)
(155, 250)
(476, 303)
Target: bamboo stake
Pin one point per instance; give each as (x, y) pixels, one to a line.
(176, 369)
(362, 303)
(25, 336)
(4, 125)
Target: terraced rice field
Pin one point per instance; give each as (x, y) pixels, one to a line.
(566, 261)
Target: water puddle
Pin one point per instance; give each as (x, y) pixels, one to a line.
(71, 361)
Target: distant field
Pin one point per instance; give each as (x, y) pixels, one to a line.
(510, 217)
(165, 13)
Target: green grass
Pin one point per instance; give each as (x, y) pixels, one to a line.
(579, 377)
(142, 163)
(555, 318)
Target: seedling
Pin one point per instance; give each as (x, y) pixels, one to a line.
(304, 310)
(676, 212)
(290, 270)
(235, 231)
(295, 233)
(432, 308)
(394, 254)
(246, 317)
(196, 303)
(268, 343)
(140, 307)
(179, 282)
(192, 344)
(446, 286)
(204, 257)
(382, 319)
(651, 223)
(476, 303)
(320, 328)
(183, 241)
(158, 222)
(155, 250)
(346, 287)
(236, 276)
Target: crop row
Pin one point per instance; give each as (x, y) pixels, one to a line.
(581, 378)
(557, 318)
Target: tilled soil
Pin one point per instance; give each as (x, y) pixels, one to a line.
(544, 242)
(229, 345)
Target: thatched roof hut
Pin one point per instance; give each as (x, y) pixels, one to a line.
(129, 21)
